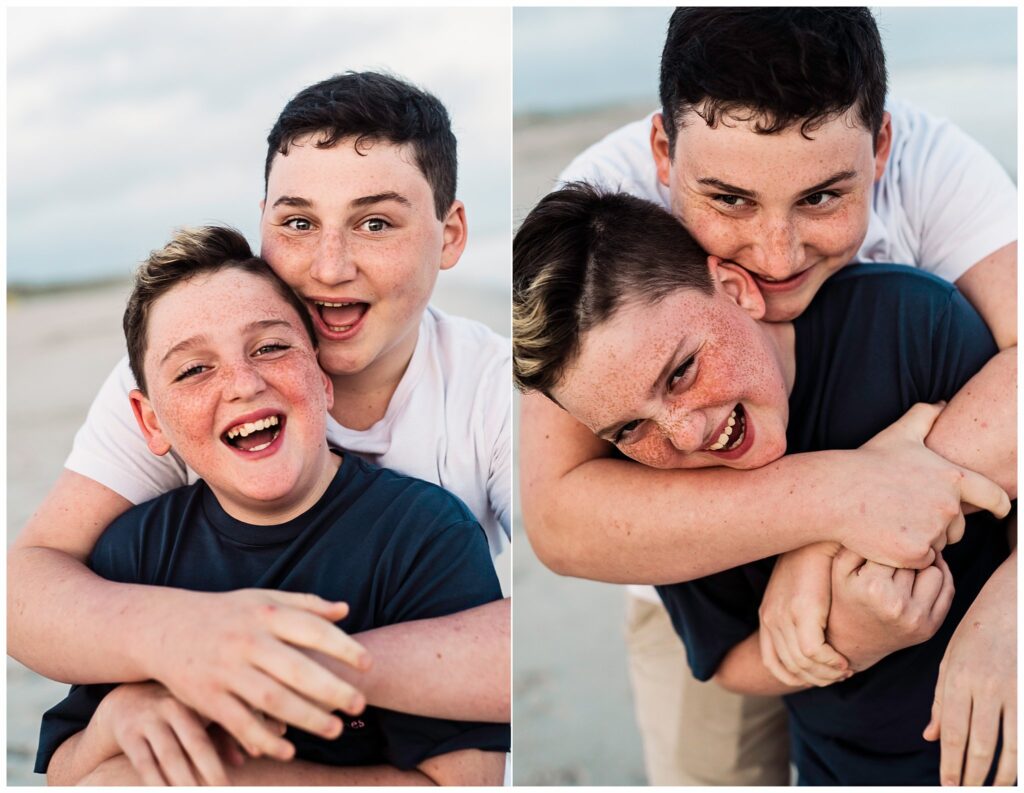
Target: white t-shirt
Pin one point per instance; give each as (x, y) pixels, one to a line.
(942, 204)
(449, 422)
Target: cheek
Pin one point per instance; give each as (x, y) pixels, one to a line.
(717, 235)
(654, 451)
(287, 256)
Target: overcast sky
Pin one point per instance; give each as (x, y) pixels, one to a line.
(125, 123)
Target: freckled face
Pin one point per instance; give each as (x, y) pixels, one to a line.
(225, 349)
(790, 210)
(661, 381)
(356, 235)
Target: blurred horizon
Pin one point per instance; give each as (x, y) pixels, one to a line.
(126, 123)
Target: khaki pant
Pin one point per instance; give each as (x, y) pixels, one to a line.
(698, 733)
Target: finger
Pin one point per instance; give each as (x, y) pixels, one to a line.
(812, 655)
(1006, 772)
(926, 585)
(770, 658)
(956, 720)
(945, 597)
(141, 757)
(847, 562)
(917, 422)
(954, 531)
(981, 741)
(252, 734)
(308, 679)
(932, 731)
(169, 755)
(307, 630)
(199, 748)
(903, 580)
(983, 493)
(333, 610)
(267, 695)
(227, 747)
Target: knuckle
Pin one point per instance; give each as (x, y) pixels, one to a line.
(980, 750)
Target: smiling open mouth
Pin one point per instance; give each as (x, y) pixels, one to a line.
(733, 433)
(254, 436)
(340, 317)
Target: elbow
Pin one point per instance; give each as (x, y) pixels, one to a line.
(549, 542)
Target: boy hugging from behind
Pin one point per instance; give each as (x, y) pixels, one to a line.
(225, 357)
(660, 349)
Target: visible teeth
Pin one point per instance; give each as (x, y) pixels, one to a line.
(334, 305)
(252, 426)
(261, 447)
(338, 328)
(723, 439)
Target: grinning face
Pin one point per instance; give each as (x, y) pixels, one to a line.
(227, 353)
(355, 233)
(692, 381)
(790, 210)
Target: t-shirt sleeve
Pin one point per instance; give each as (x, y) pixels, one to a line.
(499, 476)
(961, 345)
(450, 571)
(960, 202)
(110, 449)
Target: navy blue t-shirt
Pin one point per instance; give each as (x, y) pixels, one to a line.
(393, 547)
(875, 340)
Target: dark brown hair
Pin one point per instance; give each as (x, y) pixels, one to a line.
(370, 106)
(579, 255)
(190, 252)
(773, 66)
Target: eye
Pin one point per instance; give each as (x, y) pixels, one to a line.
(822, 199)
(680, 373)
(271, 347)
(375, 225)
(730, 200)
(626, 430)
(298, 224)
(191, 371)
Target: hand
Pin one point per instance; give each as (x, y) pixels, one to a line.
(794, 612)
(898, 482)
(977, 688)
(162, 739)
(230, 655)
(877, 610)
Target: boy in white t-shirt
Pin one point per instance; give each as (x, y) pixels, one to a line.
(359, 216)
(791, 173)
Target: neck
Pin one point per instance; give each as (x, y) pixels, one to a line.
(303, 498)
(362, 399)
(783, 339)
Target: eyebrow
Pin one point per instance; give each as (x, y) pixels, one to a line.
(732, 189)
(670, 364)
(200, 338)
(366, 200)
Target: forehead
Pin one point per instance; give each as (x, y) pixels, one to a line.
(350, 169)
(732, 150)
(216, 304)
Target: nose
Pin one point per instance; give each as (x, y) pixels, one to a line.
(333, 262)
(779, 252)
(684, 429)
(243, 381)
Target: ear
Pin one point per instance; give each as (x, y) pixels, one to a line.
(738, 285)
(455, 235)
(328, 389)
(883, 145)
(148, 423)
(659, 148)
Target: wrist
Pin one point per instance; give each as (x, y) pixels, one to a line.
(150, 645)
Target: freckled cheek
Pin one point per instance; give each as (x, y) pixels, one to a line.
(715, 234)
(654, 451)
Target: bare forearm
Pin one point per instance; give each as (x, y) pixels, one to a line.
(80, 755)
(743, 672)
(978, 428)
(59, 616)
(454, 667)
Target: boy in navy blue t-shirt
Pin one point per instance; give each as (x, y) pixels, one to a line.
(225, 359)
(657, 348)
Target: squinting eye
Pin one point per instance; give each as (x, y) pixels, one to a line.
(274, 347)
(731, 200)
(680, 373)
(622, 435)
(299, 224)
(192, 371)
(820, 199)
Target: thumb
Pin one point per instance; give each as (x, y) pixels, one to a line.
(917, 422)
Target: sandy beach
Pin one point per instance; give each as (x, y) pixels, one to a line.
(573, 712)
(61, 346)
